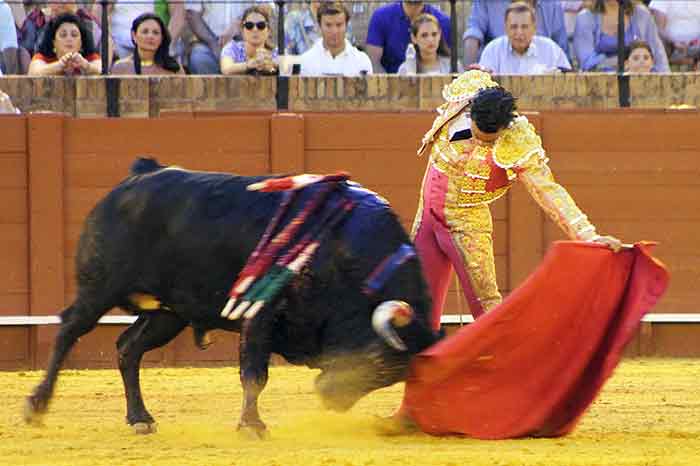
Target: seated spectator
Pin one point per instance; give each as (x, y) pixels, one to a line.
(638, 57)
(678, 22)
(389, 31)
(520, 51)
(571, 10)
(595, 36)
(66, 48)
(122, 13)
(254, 54)
(6, 104)
(485, 23)
(214, 24)
(334, 54)
(8, 41)
(35, 23)
(301, 29)
(151, 49)
(432, 55)
(18, 12)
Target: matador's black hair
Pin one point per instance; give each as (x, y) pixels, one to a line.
(492, 109)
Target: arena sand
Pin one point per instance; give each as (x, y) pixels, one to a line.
(648, 414)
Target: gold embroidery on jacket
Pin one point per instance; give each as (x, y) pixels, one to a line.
(517, 144)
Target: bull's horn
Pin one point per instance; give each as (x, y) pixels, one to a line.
(387, 316)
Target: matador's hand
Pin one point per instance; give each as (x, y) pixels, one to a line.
(610, 241)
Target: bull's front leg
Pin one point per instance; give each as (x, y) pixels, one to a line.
(255, 349)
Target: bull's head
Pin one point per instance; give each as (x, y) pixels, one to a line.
(397, 337)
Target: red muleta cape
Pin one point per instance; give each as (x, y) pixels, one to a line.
(532, 365)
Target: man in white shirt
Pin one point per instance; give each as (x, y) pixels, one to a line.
(8, 41)
(333, 54)
(6, 104)
(520, 51)
(679, 26)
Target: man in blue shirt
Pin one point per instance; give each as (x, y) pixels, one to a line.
(389, 32)
(486, 22)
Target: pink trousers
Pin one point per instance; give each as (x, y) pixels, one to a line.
(449, 237)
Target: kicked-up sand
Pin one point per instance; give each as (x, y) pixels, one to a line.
(648, 414)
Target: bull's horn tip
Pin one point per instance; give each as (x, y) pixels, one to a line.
(402, 314)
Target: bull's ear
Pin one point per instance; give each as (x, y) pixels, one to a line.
(145, 164)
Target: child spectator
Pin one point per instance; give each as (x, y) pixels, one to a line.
(638, 57)
(595, 36)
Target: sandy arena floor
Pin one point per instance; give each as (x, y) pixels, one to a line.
(648, 414)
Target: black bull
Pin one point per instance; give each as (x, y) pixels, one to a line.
(183, 236)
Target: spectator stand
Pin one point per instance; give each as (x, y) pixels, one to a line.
(361, 10)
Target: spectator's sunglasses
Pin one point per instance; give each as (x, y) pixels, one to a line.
(261, 25)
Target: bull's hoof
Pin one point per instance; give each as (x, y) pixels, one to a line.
(395, 425)
(32, 414)
(253, 432)
(143, 428)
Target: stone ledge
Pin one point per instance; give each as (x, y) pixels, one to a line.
(142, 96)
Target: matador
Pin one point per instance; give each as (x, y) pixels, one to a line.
(478, 147)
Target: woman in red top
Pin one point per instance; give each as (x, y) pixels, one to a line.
(66, 49)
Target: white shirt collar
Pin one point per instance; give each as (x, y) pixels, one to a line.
(530, 52)
(345, 51)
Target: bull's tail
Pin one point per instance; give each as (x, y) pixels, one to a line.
(144, 165)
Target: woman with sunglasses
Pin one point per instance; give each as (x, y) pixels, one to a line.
(151, 41)
(254, 54)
